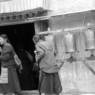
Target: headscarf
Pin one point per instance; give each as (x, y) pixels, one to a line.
(1, 41)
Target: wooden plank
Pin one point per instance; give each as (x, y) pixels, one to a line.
(31, 20)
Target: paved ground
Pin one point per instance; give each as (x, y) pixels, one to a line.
(69, 93)
(34, 92)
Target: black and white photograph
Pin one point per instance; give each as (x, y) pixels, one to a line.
(47, 47)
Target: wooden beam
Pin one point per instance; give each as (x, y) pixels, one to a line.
(27, 16)
(34, 19)
(31, 20)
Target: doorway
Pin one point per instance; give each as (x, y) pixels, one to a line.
(21, 37)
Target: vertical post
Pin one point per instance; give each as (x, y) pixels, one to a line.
(36, 26)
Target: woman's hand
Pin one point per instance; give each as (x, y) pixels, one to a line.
(35, 67)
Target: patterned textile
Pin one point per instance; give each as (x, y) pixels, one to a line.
(50, 83)
(4, 75)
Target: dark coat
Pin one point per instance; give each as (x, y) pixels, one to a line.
(7, 61)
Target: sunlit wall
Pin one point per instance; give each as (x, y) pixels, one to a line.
(66, 6)
(70, 6)
(19, 5)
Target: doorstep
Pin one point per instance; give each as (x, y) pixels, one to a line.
(30, 92)
(36, 92)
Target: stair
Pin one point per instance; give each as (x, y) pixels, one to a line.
(30, 92)
(35, 92)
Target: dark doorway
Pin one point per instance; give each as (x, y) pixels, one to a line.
(20, 37)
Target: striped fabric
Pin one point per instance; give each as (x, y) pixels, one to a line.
(19, 5)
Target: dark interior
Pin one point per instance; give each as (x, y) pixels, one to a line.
(20, 37)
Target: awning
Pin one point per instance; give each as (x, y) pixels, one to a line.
(27, 16)
(70, 6)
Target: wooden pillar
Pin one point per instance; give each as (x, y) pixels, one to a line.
(41, 26)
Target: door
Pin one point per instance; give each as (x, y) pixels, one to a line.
(20, 37)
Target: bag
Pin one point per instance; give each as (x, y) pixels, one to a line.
(18, 61)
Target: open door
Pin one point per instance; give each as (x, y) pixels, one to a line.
(20, 37)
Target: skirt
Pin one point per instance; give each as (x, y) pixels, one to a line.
(49, 83)
(13, 85)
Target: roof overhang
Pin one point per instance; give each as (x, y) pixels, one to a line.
(28, 16)
(38, 14)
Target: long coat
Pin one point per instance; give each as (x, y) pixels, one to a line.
(7, 61)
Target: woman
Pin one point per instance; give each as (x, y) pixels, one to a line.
(8, 68)
(49, 79)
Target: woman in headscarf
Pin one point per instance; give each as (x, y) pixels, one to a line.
(10, 83)
(49, 79)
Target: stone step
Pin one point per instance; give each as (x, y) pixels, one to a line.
(36, 92)
(32, 92)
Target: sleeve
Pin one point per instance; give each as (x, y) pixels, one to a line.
(6, 53)
(30, 57)
(40, 52)
(39, 49)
